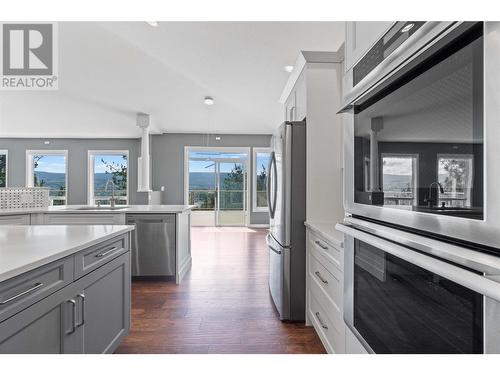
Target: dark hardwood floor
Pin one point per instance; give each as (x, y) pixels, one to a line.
(222, 305)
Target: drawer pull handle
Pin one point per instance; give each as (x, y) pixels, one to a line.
(82, 297)
(73, 316)
(320, 321)
(104, 253)
(321, 277)
(32, 289)
(324, 247)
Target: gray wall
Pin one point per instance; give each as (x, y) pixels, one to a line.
(77, 162)
(167, 152)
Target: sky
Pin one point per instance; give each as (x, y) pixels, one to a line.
(56, 163)
(52, 164)
(209, 167)
(99, 166)
(397, 166)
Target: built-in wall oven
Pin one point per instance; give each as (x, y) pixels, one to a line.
(404, 293)
(421, 155)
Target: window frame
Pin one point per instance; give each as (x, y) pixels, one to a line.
(6, 153)
(30, 170)
(255, 151)
(458, 156)
(414, 171)
(90, 172)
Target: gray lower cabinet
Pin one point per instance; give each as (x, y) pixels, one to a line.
(38, 329)
(106, 306)
(91, 315)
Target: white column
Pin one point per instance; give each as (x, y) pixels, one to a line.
(377, 124)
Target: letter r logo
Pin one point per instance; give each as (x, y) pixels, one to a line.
(27, 49)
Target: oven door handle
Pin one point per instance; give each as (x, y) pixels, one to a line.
(473, 281)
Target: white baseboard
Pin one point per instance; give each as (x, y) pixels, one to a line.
(258, 225)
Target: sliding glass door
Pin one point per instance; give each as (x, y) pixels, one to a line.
(217, 183)
(231, 193)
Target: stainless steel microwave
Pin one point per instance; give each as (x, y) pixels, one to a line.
(421, 132)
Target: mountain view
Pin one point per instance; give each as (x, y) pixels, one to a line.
(204, 180)
(57, 180)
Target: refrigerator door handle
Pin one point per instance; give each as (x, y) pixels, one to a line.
(269, 185)
(273, 173)
(268, 242)
(275, 185)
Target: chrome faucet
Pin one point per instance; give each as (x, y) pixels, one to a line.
(430, 201)
(112, 201)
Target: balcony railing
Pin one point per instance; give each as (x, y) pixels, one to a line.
(230, 200)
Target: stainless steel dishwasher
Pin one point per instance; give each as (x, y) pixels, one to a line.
(153, 245)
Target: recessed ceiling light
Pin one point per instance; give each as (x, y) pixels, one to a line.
(209, 100)
(407, 27)
(152, 23)
(288, 68)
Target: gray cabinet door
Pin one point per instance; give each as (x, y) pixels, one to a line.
(45, 327)
(106, 305)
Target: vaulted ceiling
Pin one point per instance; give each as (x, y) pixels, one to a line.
(109, 71)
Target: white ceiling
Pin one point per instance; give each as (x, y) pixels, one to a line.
(110, 71)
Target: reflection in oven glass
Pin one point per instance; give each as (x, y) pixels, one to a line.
(419, 145)
(402, 308)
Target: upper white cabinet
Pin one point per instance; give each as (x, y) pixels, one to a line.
(313, 91)
(360, 37)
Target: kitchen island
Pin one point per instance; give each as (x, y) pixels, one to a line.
(174, 219)
(64, 289)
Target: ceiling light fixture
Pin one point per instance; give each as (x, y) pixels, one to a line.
(288, 68)
(209, 100)
(407, 27)
(152, 23)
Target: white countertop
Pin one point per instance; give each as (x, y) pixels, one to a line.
(24, 248)
(133, 208)
(328, 231)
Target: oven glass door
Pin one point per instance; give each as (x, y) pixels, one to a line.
(402, 308)
(418, 142)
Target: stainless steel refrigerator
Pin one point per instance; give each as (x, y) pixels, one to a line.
(286, 240)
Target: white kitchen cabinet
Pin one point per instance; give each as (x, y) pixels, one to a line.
(360, 36)
(290, 108)
(314, 90)
(324, 289)
(22, 219)
(300, 98)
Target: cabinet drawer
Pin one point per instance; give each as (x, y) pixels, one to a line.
(83, 219)
(329, 282)
(22, 291)
(96, 256)
(14, 219)
(331, 333)
(332, 253)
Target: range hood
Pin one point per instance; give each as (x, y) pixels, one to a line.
(143, 162)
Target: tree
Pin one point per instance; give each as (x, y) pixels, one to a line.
(262, 179)
(234, 179)
(3, 170)
(456, 174)
(118, 172)
(36, 181)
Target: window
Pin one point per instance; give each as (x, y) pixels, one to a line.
(455, 174)
(108, 168)
(399, 179)
(261, 157)
(48, 168)
(3, 168)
